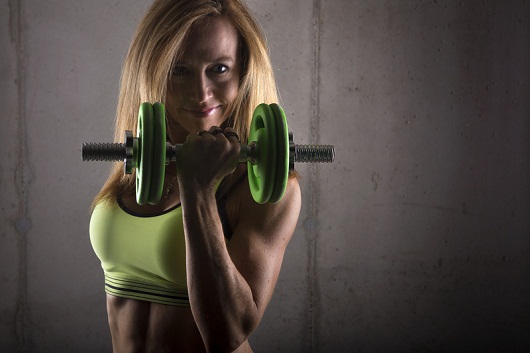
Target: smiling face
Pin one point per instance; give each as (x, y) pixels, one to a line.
(205, 79)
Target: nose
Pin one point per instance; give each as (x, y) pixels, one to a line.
(200, 88)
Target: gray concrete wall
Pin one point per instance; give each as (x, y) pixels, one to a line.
(417, 238)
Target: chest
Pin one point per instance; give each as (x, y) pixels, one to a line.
(152, 248)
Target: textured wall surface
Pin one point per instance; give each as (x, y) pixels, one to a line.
(417, 238)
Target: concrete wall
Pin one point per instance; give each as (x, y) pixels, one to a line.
(417, 238)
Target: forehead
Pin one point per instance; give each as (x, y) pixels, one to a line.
(211, 39)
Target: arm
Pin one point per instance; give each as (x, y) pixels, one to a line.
(231, 285)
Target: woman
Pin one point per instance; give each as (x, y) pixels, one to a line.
(195, 272)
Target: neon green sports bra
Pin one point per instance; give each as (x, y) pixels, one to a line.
(143, 257)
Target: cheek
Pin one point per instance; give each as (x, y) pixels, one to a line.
(172, 91)
(172, 101)
(229, 90)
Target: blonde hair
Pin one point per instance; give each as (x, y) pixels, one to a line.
(158, 41)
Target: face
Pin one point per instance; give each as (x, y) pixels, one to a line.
(205, 80)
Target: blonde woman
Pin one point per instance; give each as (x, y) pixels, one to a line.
(195, 272)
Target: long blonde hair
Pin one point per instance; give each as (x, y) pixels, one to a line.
(158, 41)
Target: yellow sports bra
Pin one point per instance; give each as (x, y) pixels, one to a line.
(143, 257)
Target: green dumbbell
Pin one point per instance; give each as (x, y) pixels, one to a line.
(270, 153)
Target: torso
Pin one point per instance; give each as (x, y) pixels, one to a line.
(142, 326)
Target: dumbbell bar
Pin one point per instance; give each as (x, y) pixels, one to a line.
(270, 153)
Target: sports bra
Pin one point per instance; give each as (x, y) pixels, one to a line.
(144, 256)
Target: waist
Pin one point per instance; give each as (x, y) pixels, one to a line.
(145, 326)
(121, 285)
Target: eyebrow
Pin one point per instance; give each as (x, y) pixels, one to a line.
(219, 59)
(224, 58)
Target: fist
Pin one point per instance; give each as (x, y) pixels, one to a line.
(208, 156)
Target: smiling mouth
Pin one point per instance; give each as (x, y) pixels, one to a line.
(204, 113)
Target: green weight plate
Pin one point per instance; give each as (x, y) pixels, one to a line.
(145, 140)
(159, 154)
(282, 157)
(262, 175)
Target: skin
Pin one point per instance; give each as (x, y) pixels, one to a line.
(205, 79)
(229, 283)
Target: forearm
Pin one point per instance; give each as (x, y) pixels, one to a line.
(221, 300)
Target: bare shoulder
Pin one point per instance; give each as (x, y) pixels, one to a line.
(263, 230)
(242, 210)
(270, 218)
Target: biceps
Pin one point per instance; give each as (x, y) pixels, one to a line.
(260, 239)
(259, 264)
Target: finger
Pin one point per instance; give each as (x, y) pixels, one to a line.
(217, 132)
(232, 136)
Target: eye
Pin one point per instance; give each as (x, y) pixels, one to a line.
(219, 68)
(179, 70)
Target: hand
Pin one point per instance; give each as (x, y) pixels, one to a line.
(208, 156)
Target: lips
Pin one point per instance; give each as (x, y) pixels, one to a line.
(201, 112)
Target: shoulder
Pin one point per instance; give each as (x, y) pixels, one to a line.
(236, 191)
(270, 218)
(246, 215)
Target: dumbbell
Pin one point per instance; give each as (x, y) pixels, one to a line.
(270, 153)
